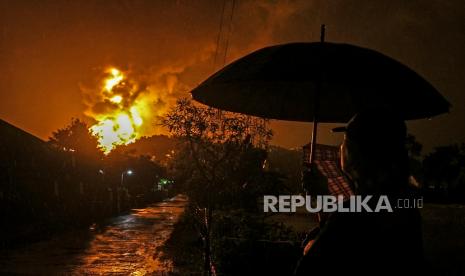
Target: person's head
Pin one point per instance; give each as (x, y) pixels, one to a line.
(373, 153)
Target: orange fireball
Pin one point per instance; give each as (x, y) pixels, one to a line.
(121, 124)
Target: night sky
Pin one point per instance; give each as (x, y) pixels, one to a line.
(51, 50)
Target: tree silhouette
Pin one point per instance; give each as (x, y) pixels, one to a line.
(445, 170)
(218, 149)
(221, 156)
(77, 139)
(414, 147)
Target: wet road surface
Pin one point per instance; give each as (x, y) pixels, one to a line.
(125, 245)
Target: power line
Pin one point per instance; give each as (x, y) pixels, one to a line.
(229, 32)
(219, 34)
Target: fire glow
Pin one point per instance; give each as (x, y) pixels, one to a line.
(121, 123)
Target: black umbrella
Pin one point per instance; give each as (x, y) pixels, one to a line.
(319, 82)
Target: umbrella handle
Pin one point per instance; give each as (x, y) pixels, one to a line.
(316, 104)
(316, 101)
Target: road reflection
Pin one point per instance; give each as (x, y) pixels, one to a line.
(125, 245)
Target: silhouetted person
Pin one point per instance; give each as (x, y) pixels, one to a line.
(374, 158)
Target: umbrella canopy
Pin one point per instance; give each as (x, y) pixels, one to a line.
(284, 81)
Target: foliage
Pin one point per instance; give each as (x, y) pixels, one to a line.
(142, 183)
(288, 163)
(414, 147)
(246, 243)
(213, 126)
(220, 163)
(77, 138)
(221, 154)
(445, 170)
